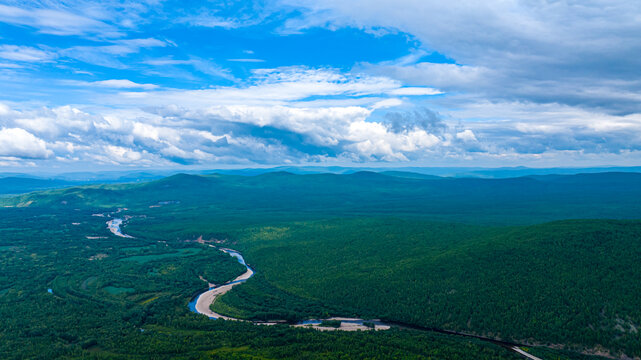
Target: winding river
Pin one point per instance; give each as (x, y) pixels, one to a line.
(114, 227)
(202, 303)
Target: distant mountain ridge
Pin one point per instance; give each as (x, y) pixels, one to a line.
(408, 171)
(20, 185)
(526, 199)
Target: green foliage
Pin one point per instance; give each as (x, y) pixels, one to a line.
(18, 185)
(118, 290)
(279, 196)
(569, 283)
(92, 312)
(257, 299)
(324, 245)
(141, 259)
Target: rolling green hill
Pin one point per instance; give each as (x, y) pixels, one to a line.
(70, 290)
(550, 261)
(19, 185)
(524, 200)
(568, 282)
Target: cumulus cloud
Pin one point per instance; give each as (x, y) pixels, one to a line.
(531, 128)
(279, 119)
(517, 81)
(272, 121)
(4, 109)
(424, 118)
(466, 135)
(19, 143)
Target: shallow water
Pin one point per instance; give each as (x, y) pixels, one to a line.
(114, 227)
(239, 257)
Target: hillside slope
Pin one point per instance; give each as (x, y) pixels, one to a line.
(570, 282)
(19, 185)
(498, 201)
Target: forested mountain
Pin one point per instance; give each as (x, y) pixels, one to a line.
(567, 282)
(499, 201)
(19, 185)
(549, 262)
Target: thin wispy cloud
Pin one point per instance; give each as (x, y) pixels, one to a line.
(54, 21)
(112, 83)
(24, 54)
(247, 60)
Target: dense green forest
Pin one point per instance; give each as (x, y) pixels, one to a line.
(569, 282)
(525, 200)
(121, 298)
(469, 255)
(18, 185)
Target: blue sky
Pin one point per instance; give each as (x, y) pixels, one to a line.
(120, 84)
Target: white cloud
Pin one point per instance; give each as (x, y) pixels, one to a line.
(279, 86)
(212, 21)
(238, 14)
(299, 114)
(108, 55)
(200, 65)
(168, 61)
(374, 141)
(386, 103)
(415, 91)
(54, 21)
(443, 76)
(54, 123)
(10, 66)
(466, 135)
(542, 52)
(122, 155)
(24, 53)
(19, 143)
(259, 134)
(246, 60)
(4, 109)
(123, 84)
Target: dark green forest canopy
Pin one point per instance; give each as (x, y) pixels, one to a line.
(523, 200)
(103, 305)
(568, 282)
(472, 255)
